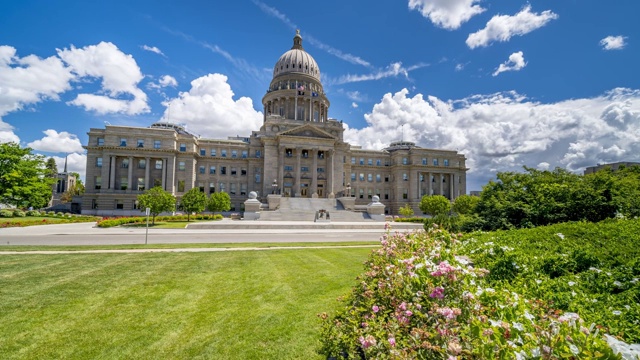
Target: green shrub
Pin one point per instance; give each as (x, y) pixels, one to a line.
(6, 213)
(18, 213)
(51, 213)
(33, 213)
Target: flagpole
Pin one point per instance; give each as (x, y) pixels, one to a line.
(295, 111)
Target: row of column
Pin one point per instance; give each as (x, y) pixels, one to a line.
(112, 172)
(438, 188)
(301, 101)
(314, 178)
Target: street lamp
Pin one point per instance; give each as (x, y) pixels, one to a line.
(274, 186)
(349, 189)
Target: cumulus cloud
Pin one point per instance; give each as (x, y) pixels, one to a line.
(153, 49)
(613, 43)
(354, 105)
(503, 27)
(208, 109)
(76, 162)
(515, 63)
(505, 131)
(165, 81)
(7, 136)
(57, 142)
(447, 14)
(120, 76)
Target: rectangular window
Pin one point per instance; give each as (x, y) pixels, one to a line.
(183, 147)
(119, 205)
(232, 189)
(305, 153)
(369, 161)
(361, 193)
(424, 161)
(94, 204)
(386, 194)
(158, 164)
(234, 153)
(320, 154)
(223, 153)
(201, 186)
(243, 189)
(213, 152)
(243, 171)
(361, 177)
(223, 170)
(181, 166)
(421, 177)
(99, 162)
(180, 185)
(405, 177)
(140, 143)
(123, 142)
(353, 161)
(361, 161)
(378, 162)
(370, 177)
(258, 154)
(435, 162)
(288, 168)
(98, 182)
(100, 141)
(125, 163)
(378, 178)
(405, 193)
(257, 178)
(157, 144)
(304, 168)
(245, 153)
(234, 171)
(203, 152)
(221, 187)
(353, 176)
(404, 161)
(320, 170)
(201, 169)
(386, 178)
(446, 162)
(142, 163)
(141, 186)
(288, 152)
(124, 183)
(212, 170)
(212, 187)
(369, 194)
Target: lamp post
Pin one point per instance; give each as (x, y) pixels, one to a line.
(349, 189)
(274, 186)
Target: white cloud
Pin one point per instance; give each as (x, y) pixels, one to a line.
(120, 76)
(75, 163)
(515, 63)
(354, 105)
(168, 80)
(355, 95)
(7, 136)
(153, 49)
(57, 142)
(505, 131)
(613, 43)
(503, 27)
(447, 14)
(209, 110)
(460, 67)
(392, 70)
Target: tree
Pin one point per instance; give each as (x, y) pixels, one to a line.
(73, 190)
(157, 200)
(465, 204)
(52, 167)
(435, 205)
(24, 177)
(219, 201)
(79, 187)
(406, 210)
(193, 201)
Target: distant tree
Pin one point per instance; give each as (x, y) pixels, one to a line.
(406, 210)
(79, 187)
(626, 191)
(435, 205)
(157, 200)
(465, 204)
(24, 177)
(52, 167)
(219, 201)
(193, 201)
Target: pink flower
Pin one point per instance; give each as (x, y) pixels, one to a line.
(408, 313)
(375, 308)
(392, 341)
(437, 293)
(444, 268)
(403, 306)
(449, 313)
(368, 341)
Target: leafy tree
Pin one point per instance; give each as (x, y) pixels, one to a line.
(157, 200)
(435, 205)
(79, 187)
(406, 210)
(219, 201)
(52, 167)
(24, 180)
(626, 191)
(465, 204)
(193, 201)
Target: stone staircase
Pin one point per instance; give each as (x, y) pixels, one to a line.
(304, 209)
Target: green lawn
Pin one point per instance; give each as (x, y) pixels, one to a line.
(230, 305)
(43, 220)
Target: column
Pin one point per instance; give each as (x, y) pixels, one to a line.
(451, 186)
(296, 187)
(281, 168)
(429, 183)
(311, 108)
(130, 175)
(330, 173)
(147, 161)
(164, 174)
(112, 172)
(441, 187)
(314, 171)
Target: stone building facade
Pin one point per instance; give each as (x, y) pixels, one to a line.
(298, 152)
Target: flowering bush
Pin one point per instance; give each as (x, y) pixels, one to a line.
(117, 221)
(419, 299)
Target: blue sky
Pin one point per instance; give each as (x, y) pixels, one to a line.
(508, 83)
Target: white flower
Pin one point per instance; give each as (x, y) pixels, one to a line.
(617, 283)
(528, 315)
(518, 326)
(489, 290)
(635, 280)
(616, 312)
(574, 349)
(561, 236)
(595, 269)
(535, 352)
(538, 281)
(571, 283)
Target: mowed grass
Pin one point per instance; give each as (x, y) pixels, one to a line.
(229, 305)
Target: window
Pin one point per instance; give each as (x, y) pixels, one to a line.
(370, 177)
(405, 193)
(157, 144)
(119, 204)
(377, 177)
(221, 187)
(201, 186)
(140, 143)
(320, 170)
(404, 161)
(288, 168)
(257, 178)
(320, 154)
(288, 152)
(232, 189)
(353, 176)
(223, 170)
(123, 142)
(305, 153)
(223, 153)
(141, 186)
(386, 178)
(369, 161)
(124, 183)
(201, 169)
(361, 161)
(304, 168)
(234, 153)
(421, 177)
(125, 163)
(98, 182)
(258, 154)
(212, 187)
(158, 164)
(435, 162)
(100, 141)
(243, 171)
(361, 177)
(183, 147)
(181, 166)
(94, 204)
(142, 163)
(369, 194)
(212, 170)
(446, 162)
(213, 152)
(180, 185)
(99, 162)
(378, 162)
(386, 194)
(361, 193)
(243, 189)
(245, 153)
(234, 171)
(353, 161)
(424, 161)
(405, 177)
(203, 152)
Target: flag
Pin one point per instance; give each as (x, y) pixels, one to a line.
(301, 90)
(314, 94)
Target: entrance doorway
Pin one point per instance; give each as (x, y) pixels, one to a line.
(304, 190)
(320, 191)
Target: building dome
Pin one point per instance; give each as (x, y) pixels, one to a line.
(296, 61)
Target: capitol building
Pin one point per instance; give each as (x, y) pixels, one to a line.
(299, 151)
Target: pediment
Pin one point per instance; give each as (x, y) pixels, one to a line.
(308, 131)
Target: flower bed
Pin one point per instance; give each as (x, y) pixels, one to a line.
(419, 298)
(117, 221)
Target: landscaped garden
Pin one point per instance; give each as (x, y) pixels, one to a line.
(19, 218)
